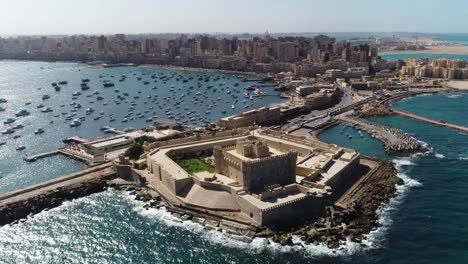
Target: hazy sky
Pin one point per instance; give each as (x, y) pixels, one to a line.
(157, 16)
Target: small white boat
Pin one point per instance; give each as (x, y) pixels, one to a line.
(20, 147)
(46, 110)
(75, 123)
(39, 131)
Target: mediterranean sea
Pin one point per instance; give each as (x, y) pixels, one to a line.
(404, 56)
(424, 223)
(190, 96)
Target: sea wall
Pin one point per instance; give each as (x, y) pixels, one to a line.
(31, 200)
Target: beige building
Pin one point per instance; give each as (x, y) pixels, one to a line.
(260, 177)
(261, 116)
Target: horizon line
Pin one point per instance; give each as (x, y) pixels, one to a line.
(234, 33)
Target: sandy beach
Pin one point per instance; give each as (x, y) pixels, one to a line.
(460, 85)
(441, 49)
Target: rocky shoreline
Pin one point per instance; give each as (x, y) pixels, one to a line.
(396, 142)
(18, 211)
(352, 217)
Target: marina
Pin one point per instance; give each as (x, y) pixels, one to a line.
(58, 111)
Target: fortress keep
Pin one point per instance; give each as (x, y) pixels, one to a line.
(260, 177)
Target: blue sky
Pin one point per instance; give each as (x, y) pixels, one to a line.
(156, 16)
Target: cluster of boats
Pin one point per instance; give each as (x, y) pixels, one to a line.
(349, 136)
(188, 98)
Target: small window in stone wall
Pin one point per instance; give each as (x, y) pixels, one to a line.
(251, 215)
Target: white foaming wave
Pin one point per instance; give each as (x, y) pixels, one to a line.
(257, 245)
(439, 156)
(375, 238)
(372, 240)
(399, 163)
(453, 96)
(462, 157)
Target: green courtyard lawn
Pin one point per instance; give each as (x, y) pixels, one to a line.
(195, 165)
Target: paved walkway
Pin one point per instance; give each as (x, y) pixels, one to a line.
(52, 185)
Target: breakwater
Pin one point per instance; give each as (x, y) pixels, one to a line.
(430, 121)
(31, 200)
(396, 142)
(354, 214)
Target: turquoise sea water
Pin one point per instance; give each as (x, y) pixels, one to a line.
(425, 223)
(461, 39)
(26, 82)
(429, 56)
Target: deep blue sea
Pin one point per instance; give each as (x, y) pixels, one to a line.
(425, 223)
(404, 56)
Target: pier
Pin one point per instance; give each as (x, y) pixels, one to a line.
(112, 130)
(63, 151)
(430, 121)
(33, 199)
(40, 156)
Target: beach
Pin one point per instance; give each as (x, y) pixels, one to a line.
(453, 49)
(459, 85)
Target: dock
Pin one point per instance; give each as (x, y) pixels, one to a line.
(40, 156)
(112, 130)
(76, 139)
(430, 121)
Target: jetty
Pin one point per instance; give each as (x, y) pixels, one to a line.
(395, 141)
(430, 121)
(75, 139)
(112, 130)
(40, 156)
(33, 199)
(63, 151)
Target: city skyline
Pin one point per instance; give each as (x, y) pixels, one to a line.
(53, 17)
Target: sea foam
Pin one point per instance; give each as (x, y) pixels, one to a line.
(371, 241)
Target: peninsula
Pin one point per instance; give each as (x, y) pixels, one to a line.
(260, 173)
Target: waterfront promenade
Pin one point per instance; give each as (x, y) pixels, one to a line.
(430, 121)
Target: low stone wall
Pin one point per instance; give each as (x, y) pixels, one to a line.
(25, 203)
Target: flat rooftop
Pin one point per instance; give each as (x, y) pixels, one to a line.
(109, 141)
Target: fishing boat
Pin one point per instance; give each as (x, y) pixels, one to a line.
(75, 123)
(39, 131)
(46, 110)
(7, 131)
(22, 112)
(22, 147)
(9, 121)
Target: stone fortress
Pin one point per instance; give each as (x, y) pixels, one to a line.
(261, 177)
(253, 166)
